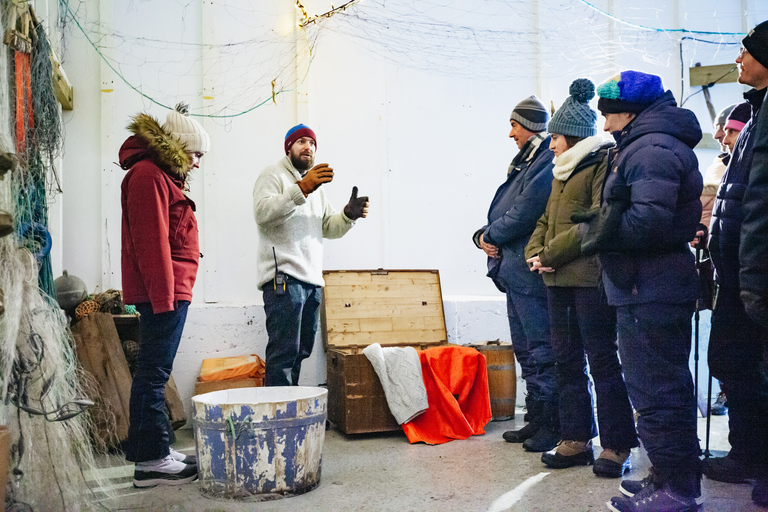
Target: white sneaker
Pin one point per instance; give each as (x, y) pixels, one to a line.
(165, 471)
(186, 459)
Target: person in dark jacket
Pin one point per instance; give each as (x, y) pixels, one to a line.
(159, 265)
(582, 324)
(737, 327)
(753, 254)
(517, 205)
(650, 211)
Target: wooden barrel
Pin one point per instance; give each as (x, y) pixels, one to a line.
(502, 379)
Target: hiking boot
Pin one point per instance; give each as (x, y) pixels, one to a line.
(543, 440)
(165, 471)
(518, 436)
(186, 459)
(612, 463)
(729, 469)
(631, 487)
(654, 497)
(569, 453)
(650, 484)
(720, 407)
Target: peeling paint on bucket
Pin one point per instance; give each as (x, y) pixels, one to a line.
(260, 442)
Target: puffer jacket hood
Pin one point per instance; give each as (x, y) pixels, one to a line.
(662, 116)
(151, 142)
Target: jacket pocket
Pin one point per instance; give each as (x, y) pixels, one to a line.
(620, 268)
(183, 216)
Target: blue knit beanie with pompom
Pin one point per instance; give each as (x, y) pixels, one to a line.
(575, 118)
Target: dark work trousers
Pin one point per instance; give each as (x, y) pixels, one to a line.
(529, 329)
(735, 355)
(583, 328)
(655, 345)
(149, 430)
(292, 322)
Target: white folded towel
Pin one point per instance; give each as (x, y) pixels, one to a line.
(399, 371)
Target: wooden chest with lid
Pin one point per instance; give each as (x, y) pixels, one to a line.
(390, 307)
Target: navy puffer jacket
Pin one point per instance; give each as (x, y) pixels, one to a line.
(512, 217)
(648, 259)
(727, 215)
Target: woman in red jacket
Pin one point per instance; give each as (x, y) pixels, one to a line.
(159, 265)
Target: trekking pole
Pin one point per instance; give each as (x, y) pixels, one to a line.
(696, 335)
(709, 416)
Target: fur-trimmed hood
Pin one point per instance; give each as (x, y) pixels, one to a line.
(151, 142)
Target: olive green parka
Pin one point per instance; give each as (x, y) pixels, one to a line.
(556, 239)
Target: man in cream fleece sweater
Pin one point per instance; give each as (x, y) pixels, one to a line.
(293, 216)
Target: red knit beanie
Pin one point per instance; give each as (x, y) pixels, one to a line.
(296, 133)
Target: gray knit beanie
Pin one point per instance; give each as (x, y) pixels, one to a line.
(575, 118)
(531, 114)
(187, 130)
(722, 117)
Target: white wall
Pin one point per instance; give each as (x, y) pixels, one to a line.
(429, 148)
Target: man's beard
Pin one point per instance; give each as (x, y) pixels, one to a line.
(302, 165)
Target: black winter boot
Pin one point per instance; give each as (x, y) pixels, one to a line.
(548, 434)
(528, 417)
(528, 431)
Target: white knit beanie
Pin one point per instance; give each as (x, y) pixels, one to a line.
(187, 130)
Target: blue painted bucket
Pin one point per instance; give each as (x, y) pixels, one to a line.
(260, 442)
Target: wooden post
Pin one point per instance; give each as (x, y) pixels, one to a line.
(209, 164)
(110, 190)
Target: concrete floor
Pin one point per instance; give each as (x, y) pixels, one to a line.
(383, 472)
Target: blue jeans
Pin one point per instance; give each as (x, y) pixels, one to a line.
(292, 322)
(655, 345)
(148, 432)
(529, 329)
(583, 327)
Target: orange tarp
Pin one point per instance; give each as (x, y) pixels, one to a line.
(457, 390)
(238, 367)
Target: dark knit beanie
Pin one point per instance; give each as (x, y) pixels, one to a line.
(722, 117)
(575, 118)
(739, 116)
(531, 114)
(756, 43)
(630, 91)
(296, 133)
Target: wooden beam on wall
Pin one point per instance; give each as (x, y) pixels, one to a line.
(703, 75)
(62, 87)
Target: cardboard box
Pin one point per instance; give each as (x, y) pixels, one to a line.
(390, 307)
(218, 385)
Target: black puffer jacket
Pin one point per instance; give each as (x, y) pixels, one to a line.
(754, 230)
(728, 214)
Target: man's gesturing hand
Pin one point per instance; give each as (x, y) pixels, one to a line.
(357, 206)
(315, 177)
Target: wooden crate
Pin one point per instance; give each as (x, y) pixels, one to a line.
(390, 307)
(217, 385)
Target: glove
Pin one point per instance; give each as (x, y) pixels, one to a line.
(357, 206)
(700, 242)
(584, 216)
(315, 177)
(602, 223)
